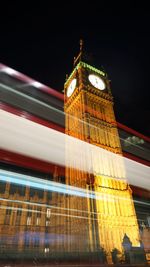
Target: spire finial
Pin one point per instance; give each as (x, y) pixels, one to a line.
(78, 58)
(81, 45)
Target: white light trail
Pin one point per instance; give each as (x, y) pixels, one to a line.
(34, 182)
(25, 137)
(41, 184)
(41, 103)
(59, 112)
(36, 84)
(9, 71)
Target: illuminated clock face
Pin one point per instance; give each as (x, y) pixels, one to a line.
(97, 82)
(71, 87)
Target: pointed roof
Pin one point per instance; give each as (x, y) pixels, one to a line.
(80, 55)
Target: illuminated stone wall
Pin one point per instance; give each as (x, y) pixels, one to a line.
(90, 117)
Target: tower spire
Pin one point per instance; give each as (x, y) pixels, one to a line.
(79, 57)
(81, 45)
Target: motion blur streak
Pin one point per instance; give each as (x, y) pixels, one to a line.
(47, 206)
(35, 182)
(30, 97)
(41, 184)
(28, 80)
(25, 137)
(15, 209)
(54, 207)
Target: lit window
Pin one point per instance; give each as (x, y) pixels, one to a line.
(46, 250)
(28, 220)
(19, 211)
(48, 213)
(8, 210)
(38, 220)
(38, 212)
(47, 223)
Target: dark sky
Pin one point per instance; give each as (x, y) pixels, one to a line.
(41, 41)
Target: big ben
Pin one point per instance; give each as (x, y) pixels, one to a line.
(90, 117)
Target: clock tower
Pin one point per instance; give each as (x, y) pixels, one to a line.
(90, 117)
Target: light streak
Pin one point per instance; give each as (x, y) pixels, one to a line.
(25, 137)
(34, 182)
(8, 88)
(36, 84)
(28, 81)
(41, 184)
(21, 209)
(39, 85)
(9, 71)
(58, 214)
(89, 213)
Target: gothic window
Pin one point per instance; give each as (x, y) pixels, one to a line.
(38, 221)
(38, 216)
(47, 223)
(37, 192)
(29, 215)
(13, 189)
(2, 187)
(28, 220)
(21, 190)
(18, 216)
(32, 192)
(17, 189)
(38, 212)
(48, 213)
(49, 195)
(8, 215)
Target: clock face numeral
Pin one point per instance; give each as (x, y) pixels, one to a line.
(97, 82)
(71, 87)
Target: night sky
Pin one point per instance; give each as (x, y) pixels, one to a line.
(41, 42)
